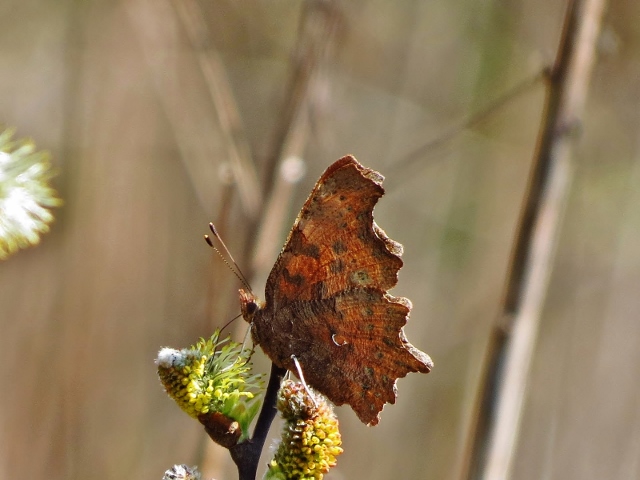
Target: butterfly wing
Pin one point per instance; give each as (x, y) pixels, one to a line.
(327, 300)
(334, 243)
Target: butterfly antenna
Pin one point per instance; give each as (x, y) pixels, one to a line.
(229, 322)
(236, 271)
(301, 377)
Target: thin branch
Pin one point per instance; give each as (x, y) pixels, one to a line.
(246, 455)
(408, 160)
(511, 349)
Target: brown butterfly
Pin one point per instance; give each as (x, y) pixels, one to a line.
(326, 297)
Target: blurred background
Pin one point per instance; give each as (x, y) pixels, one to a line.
(162, 116)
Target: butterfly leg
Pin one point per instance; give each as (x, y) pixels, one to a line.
(301, 377)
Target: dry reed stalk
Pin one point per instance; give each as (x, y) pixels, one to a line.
(510, 352)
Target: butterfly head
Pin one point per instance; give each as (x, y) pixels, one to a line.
(249, 305)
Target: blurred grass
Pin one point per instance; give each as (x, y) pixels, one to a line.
(125, 270)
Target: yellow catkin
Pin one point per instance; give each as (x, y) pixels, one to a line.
(310, 439)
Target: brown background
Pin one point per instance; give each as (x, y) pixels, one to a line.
(119, 95)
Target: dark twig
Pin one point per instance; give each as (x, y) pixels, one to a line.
(246, 455)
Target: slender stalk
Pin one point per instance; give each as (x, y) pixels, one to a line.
(407, 161)
(511, 349)
(246, 455)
